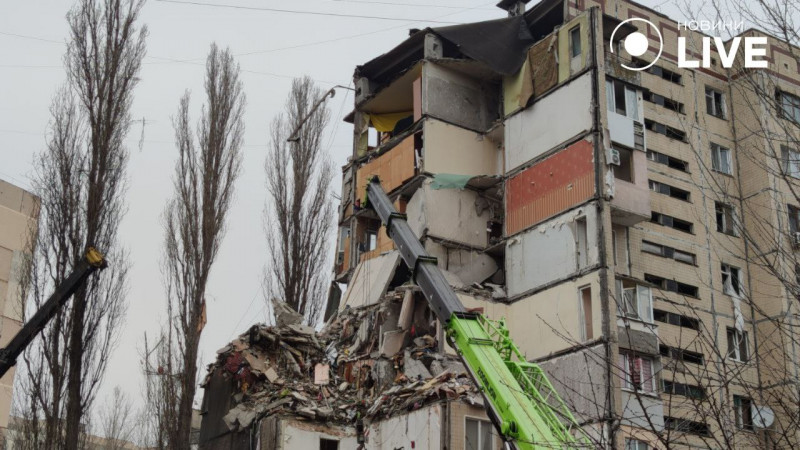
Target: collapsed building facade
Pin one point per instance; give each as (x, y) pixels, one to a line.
(564, 193)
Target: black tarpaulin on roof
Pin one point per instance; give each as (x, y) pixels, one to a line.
(500, 44)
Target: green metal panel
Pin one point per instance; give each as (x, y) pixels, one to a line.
(529, 411)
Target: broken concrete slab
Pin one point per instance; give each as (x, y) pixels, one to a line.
(392, 342)
(406, 310)
(284, 315)
(370, 280)
(414, 369)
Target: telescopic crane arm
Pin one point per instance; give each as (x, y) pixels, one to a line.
(527, 412)
(92, 261)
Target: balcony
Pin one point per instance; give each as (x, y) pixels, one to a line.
(630, 202)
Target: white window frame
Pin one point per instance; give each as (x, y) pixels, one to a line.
(582, 313)
(727, 228)
(739, 411)
(721, 159)
(480, 423)
(716, 106)
(631, 99)
(728, 286)
(739, 337)
(627, 375)
(642, 302)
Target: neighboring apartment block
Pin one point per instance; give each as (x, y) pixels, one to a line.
(621, 221)
(19, 211)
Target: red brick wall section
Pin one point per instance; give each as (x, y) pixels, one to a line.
(563, 180)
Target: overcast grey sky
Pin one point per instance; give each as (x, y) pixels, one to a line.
(272, 48)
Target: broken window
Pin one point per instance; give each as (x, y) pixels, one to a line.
(477, 434)
(725, 218)
(581, 244)
(737, 345)
(658, 71)
(371, 240)
(672, 222)
(585, 298)
(637, 373)
(680, 354)
(686, 426)
(666, 102)
(666, 189)
(672, 285)
(635, 300)
(731, 280)
(660, 128)
(790, 162)
(575, 41)
(715, 103)
(624, 171)
(667, 160)
(668, 252)
(621, 98)
(742, 411)
(685, 390)
(675, 319)
(721, 159)
(328, 444)
(794, 219)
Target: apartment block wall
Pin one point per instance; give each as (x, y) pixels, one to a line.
(19, 212)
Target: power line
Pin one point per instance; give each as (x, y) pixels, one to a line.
(23, 36)
(293, 11)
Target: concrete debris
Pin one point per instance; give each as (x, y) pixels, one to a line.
(359, 367)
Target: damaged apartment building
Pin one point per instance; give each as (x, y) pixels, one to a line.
(559, 191)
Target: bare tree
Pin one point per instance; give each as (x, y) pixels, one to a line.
(118, 420)
(299, 211)
(194, 225)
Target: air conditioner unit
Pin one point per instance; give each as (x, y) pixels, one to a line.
(613, 157)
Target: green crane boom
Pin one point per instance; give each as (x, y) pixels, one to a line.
(527, 412)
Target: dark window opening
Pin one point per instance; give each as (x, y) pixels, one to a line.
(743, 412)
(625, 169)
(680, 354)
(672, 191)
(669, 161)
(328, 444)
(676, 319)
(686, 426)
(658, 71)
(670, 132)
(789, 106)
(726, 218)
(715, 103)
(575, 41)
(672, 285)
(737, 345)
(684, 390)
(666, 102)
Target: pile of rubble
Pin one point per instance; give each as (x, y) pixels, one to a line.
(367, 363)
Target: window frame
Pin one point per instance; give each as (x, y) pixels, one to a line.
(790, 161)
(715, 103)
(791, 101)
(480, 422)
(734, 276)
(717, 151)
(727, 213)
(743, 412)
(640, 311)
(572, 42)
(636, 444)
(740, 338)
(627, 364)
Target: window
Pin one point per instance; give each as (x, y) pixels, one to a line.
(684, 390)
(675, 319)
(635, 444)
(672, 191)
(737, 345)
(715, 103)
(372, 240)
(680, 354)
(672, 222)
(673, 163)
(725, 218)
(668, 252)
(660, 128)
(624, 171)
(731, 280)
(621, 98)
(328, 444)
(789, 106)
(659, 71)
(672, 285)
(743, 412)
(635, 300)
(721, 159)
(582, 245)
(575, 41)
(685, 426)
(637, 373)
(790, 162)
(585, 299)
(477, 434)
(660, 100)
(794, 218)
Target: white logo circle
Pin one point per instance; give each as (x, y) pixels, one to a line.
(636, 43)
